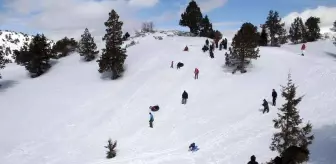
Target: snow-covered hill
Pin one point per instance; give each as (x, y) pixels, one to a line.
(67, 115)
(11, 40)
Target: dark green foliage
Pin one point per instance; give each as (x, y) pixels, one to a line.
(313, 29)
(111, 153)
(206, 27)
(192, 18)
(64, 47)
(126, 36)
(263, 37)
(297, 31)
(283, 37)
(87, 47)
(244, 44)
(274, 26)
(3, 61)
(113, 56)
(35, 56)
(334, 27)
(292, 132)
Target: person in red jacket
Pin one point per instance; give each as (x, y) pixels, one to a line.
(196, 73)
(303, 47)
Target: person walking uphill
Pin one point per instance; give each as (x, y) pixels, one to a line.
(184, 97)
(196, 73)
(266, 107)
(151, 120)
(303, 48)
(274, 96)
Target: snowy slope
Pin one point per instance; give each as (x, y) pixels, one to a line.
(67, 115)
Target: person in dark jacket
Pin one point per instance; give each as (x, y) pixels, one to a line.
(274, 96)
(184, 97)
(205, 48)
(151, 120)
(265, 104)
(211, 54)
(211, 47)
(207, 42)
(154, 108)
(225, 44)
(172, 64)
(193, 147)
(253, 160)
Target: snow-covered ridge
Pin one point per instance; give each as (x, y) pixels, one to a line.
(11, 40)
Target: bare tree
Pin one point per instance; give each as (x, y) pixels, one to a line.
(147, 27)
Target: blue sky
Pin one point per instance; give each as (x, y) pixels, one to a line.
(69, 17)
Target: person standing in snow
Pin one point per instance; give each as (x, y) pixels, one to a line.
(172, 64)
(225, 44)
(207, 42)
(184, 97)
(193, 147)
(266, 107)
(253, 160)
(196, 73)
(303, 48)
(151, 120)
(211, 54)
(274, 96)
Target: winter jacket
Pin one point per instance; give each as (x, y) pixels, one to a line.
(185, 95)
(303, 47)
(151, 118)
(265, 104)
(252, 162)
(196, 71)
(274, 94)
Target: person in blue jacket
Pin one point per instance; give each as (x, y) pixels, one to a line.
(193, 147)
(151, 120)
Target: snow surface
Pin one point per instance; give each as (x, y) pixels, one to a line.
(67, 115)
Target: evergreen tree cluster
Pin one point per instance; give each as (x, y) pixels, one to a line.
(35, 57)
(87, 47)
(193, 18)
(276, 29)
(64, 47)
(309, 31)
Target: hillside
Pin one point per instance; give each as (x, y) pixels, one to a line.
(11, 40)
(67, 115)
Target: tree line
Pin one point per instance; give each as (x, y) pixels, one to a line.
(36, 55)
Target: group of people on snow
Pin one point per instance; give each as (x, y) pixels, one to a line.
(265, 103)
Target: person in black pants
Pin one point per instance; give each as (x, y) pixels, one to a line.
(184, 97)
(274, 96)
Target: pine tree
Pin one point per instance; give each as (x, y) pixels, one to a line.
(3, 61)
(275, 27)
(111, 153)
(206, 27)
(297, 31)
(263, 37)
(64, 47)
(313, 29)
(292, 132)
(35, 57)
(87, 47)
(113, 56)
(192, 18)
(245, 43)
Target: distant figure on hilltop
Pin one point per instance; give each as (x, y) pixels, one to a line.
(274, 96)
(303, 48)
(184, 97)
(172, 64)
(253, 160)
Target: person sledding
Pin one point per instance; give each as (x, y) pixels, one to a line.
(193, 147)
(154, 108)
(266, 107)
(179, 65)
(186, 48)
